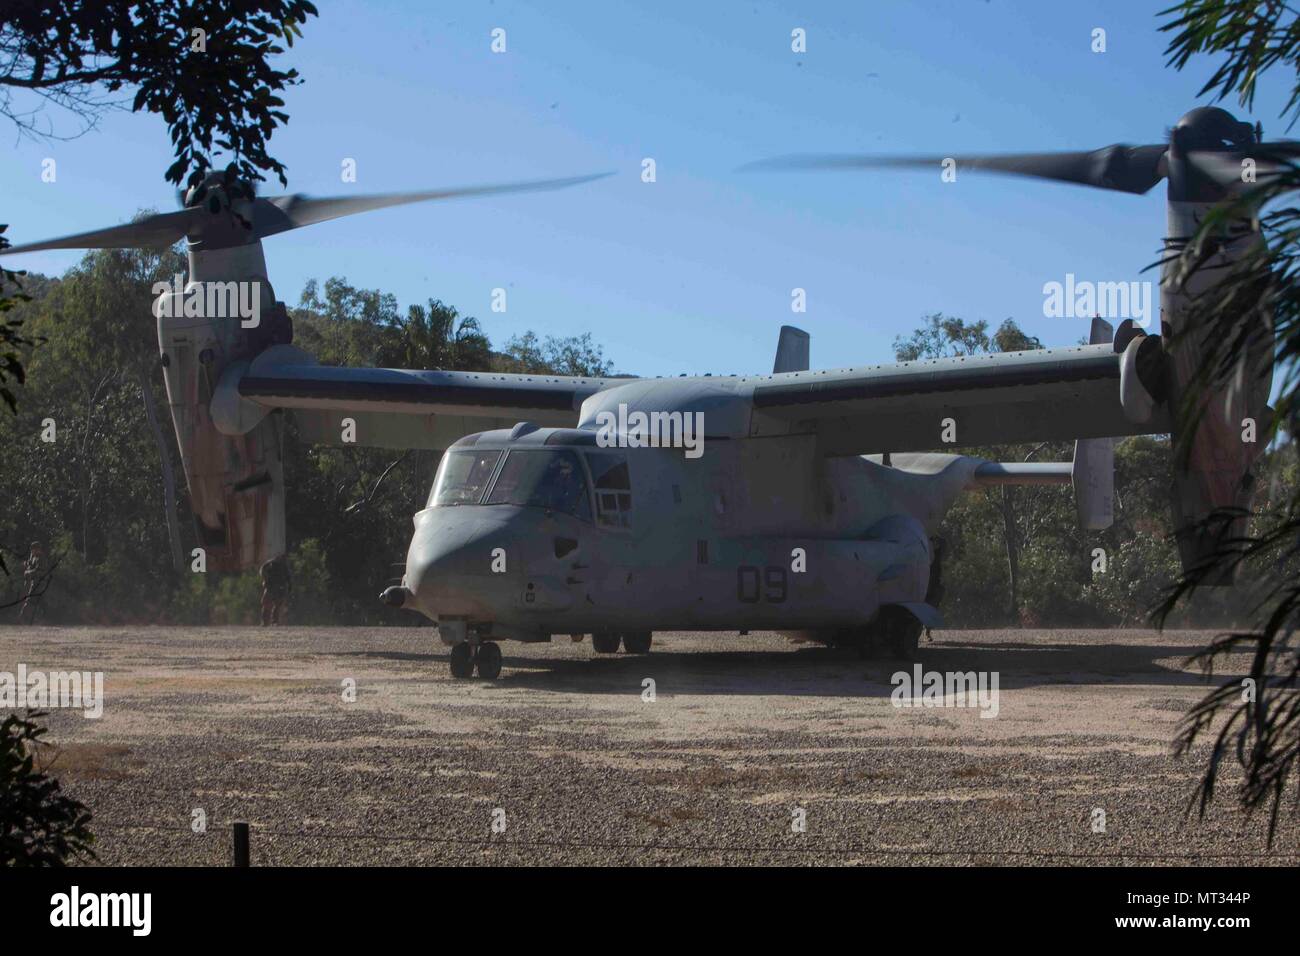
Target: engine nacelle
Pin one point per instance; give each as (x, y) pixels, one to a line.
(1214, 457)
(225, 313)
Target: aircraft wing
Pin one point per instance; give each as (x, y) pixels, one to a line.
(1040, 395)
(394, 408)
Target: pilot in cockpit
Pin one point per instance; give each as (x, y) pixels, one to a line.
(560, 487)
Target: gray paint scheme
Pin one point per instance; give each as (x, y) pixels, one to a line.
(712, 542)
(1048, 394)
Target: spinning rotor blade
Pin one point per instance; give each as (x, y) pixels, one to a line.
(1130, 169)
(152, 231)
(268, 216)
(1225, 167)
(275, 214)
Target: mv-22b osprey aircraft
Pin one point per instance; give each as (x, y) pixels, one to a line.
(801, 501)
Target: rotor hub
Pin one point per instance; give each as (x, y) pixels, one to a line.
(218, 190)
(1212, 128)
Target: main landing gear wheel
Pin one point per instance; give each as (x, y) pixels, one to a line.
(605, 642)
(488, 661)
(898, 632)
(462, 660)
(637, 642)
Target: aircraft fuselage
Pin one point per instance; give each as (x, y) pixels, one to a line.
(759, 533)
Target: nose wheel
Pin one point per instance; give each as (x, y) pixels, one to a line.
(486, 658)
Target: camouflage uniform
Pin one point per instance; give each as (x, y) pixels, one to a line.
(276, 586)
(33, 571)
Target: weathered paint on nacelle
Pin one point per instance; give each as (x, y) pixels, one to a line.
(1212, 471)
(236, 483)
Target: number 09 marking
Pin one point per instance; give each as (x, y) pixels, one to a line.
(755, 584)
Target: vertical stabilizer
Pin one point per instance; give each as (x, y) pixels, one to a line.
(791, 350)
(1093, 474)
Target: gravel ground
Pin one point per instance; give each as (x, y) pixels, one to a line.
(744, 731)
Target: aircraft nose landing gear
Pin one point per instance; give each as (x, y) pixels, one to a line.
(467, 655)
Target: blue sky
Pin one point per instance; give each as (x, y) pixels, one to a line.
(692, 273)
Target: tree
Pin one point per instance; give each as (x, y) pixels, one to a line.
(1258, 724)
(39, 824)
(203, 65)
(436, 337)
(944, 336)
(575, 355)
(90, 493)
(11, 337)
(351, 326)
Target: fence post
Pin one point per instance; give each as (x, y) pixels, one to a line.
(240, 833)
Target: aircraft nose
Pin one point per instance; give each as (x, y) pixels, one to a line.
(449, 565)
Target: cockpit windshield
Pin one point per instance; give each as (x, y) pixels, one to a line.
(540, 478)
(463, 476)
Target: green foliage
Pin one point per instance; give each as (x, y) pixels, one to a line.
(1054, 586)
(92, 495)
(12, 341)
(364, 327)
(216, 87)
(311, 584)
(1237, 319)
(1138, 570)
(575, 355)
(944, 336)
(974, 564)
(1256, 36)
(39, 824)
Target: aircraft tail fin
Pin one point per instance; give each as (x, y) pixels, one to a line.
(791, 350)
(1093, 477)
(1093, 474)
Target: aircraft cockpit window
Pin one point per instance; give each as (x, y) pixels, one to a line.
(463, 476)
(613, 489)
(543, 479)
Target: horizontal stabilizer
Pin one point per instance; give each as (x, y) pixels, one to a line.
(1022, 473)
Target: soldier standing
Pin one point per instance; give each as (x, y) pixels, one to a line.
(33, 572)
(276, 585)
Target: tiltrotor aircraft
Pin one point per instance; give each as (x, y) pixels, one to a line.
(801, 501)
